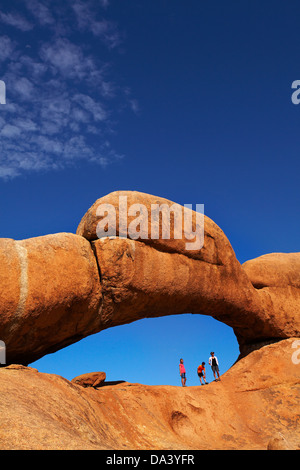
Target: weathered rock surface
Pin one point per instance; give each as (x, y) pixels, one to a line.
(57, 289)
(256, 405)
(274, 270)
(90, 379)
(50, 294)
(180, 231)
(152, 277)
(276, 278)
(139, 281)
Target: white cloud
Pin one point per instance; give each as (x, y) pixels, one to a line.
(34, 68)
(67, 59)
(50, 146)
(6, 48)
(80, 115)
(60, 95)
(10, 131)
(89, 104)
(86, 19)
(40, 11)
(24, 88)
(134, 105)
(16, 20)
(8, 172)
(26, 125)
(107, 31)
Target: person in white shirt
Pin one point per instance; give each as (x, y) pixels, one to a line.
(214, 363)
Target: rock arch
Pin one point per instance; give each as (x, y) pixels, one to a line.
(58, 289)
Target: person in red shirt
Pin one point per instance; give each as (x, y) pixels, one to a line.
(201, 373)
(182, 373)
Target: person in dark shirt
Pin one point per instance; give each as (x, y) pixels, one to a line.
(214, 363)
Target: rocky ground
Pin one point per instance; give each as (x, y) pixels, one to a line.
(256, 405)
(59, 288)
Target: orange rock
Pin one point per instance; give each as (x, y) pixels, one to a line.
(255, 406)
(52, 290)
(276, 278)
(50, 294)
(10, 282)
(57, 289)
(274, 270)
(91, 379)
(215, 247)
(139, 281)
(153, 277)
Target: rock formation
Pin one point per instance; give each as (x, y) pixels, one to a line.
(255, 406)
(50, 295)
(57, 289)
(90, 379)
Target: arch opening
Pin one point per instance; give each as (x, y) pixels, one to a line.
(148, 351)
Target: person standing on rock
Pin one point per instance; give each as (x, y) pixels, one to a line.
(182, 373)
(214, 363)
(201, 373)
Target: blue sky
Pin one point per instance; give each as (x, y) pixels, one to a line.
(186, 100)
